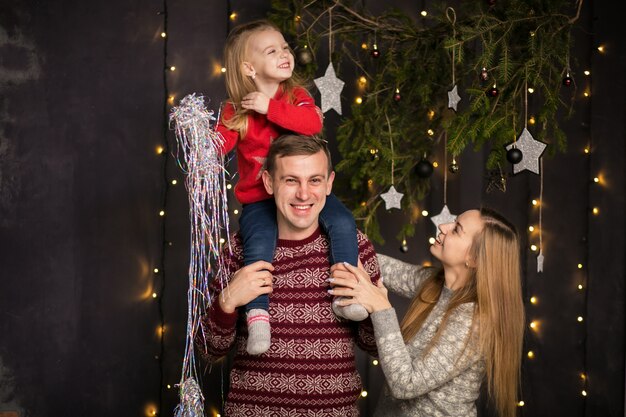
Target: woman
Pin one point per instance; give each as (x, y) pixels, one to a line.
(466, 320)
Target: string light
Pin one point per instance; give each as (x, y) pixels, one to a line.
(584, 393)
(154, 295)
(229, 186)
(580, 266)
(425, 213)
(233, 16)
(363, 393)
(530, 354)
(163, 34)
(174, 182)
(160, 150)
(533, 248)
(580, 287)
(596, 180)
(533, 300)
(520, 404)
(235, 211)
(580, 319)
(358, 100)
(424, 13)
(430, 132)
(534, 325)
(587, 72)
(601, 48)
(156, 270)
(375, 362)
(431, 240)
(172, 68)
(435, 164)
(531, 228)
(531, 90)
(535, 202)
(596, 211)
(162, 213)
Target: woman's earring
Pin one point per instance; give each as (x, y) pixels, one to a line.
(253, 75)
(466, 264)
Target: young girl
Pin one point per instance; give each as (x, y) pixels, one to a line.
(466, 320)
(266, 101)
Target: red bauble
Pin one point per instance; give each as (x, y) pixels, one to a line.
(492, 92)
(567, 81)
(375, 52)
(397, 97)
(484, 75)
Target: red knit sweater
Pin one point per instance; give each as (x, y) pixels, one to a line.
(301, 117)
(309, 369)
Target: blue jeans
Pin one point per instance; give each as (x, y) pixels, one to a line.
(259, 232)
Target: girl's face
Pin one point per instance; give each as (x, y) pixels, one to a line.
(268, 58)
(453, 244)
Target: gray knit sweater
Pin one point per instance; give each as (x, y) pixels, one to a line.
(444, 382)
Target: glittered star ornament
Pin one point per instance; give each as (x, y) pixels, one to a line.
(453, 98)
(330, 87)
(444, 217)
(540, 261)
(531, 152)
(392, 198)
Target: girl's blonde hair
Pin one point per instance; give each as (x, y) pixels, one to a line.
(495, 287)
(238, 84)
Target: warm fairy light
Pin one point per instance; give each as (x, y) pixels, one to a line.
(533, 300)
(363, 204)
(531, 228)
(222, 240)
(435, 164)
(531, 90)
(174, 182)
(363, 45)
(229, 186)
(601, 48)
(363, 393)
(587, 72)
(431, 114)
(533, 248)
(531, 120)
(358, 100)
(580, 286)
(150, 410)
(375, 362)
(218, 415)
(596, 211)
(424, 13)
(583, 376)
(160, 330)
(170, 99)
(160, 150)
(580, 319)
(596, 179)
(520, 404)
(163, 34)
(233, 16)
(430, 132)
(425, 213)
(534, 325)
(370, 181)
(587, 150)
(172, 68)
(169, 386)
(162, 213)
(530, 354)
(156, 270)
(584, 393)
(580, 266)
(362, 80)
(431, 240)
(535, 202)
(223, 69)
(586, 94)
(154, 295)
(235, 211)
(372, 151)
(532, 33)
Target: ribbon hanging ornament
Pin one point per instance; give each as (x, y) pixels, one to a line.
(199, 155)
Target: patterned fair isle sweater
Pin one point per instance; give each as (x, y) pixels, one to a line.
(444, 382)
(309, 369)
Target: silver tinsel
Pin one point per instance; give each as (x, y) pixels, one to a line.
(191, 400)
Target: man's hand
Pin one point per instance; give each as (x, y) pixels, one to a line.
(248, 283)
(256, 101)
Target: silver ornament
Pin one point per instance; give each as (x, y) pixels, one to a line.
(442, 218)
(330, 88)
(453, 98)
(531, 151)
(392, 198)
(540, 259)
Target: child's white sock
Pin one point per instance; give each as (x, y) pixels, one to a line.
(354, 312)
(259, 334)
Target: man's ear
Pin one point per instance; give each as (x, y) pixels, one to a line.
(329, 183)
(248, 69)
(268, 182)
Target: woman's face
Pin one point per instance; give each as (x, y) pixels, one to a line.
(453, 244)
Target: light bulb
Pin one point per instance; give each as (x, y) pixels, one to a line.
(363, 393)
(533, 300)
(424, 13)
(431, 240)
(358, 100)
(531, 354)
(163, 34)
(425, 213)
(161, 213)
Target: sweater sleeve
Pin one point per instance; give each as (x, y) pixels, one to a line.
(230, 136)
(302, 117)
(217, 331)
(400, 277)
(365, 330)
(409, 377)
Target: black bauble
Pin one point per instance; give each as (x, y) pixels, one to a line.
(404, 248)
(514, 156)
(424, 169)
(492, 92)
(454, 168)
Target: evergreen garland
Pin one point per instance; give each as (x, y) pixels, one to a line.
(521, 43)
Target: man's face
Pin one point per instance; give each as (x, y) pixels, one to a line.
(300, 185)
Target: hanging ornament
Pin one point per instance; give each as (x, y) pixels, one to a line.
(514, 155)
(496, 180)
(540, 259)
(424, 168)
(404, 248)
(443, 218)
(396, 96)
(567, 81)
(330, 88)
(375, 52)
(484, 75)
(392, 198)
(453, 98)
(304, 55)
(493, 91)
(454, 167)
(531, 150)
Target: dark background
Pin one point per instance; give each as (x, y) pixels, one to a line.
(82, 97)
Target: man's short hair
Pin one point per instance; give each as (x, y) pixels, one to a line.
(292, 145)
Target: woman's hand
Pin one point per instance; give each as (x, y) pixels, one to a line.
(349, 281)
(256, 101)
(247, 284)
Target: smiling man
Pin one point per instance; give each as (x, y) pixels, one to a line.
(309, 369)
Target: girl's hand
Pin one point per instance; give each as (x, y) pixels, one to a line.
(256, 101)
(248, 283)
(349, 281)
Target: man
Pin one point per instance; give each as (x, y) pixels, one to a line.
(309, 369)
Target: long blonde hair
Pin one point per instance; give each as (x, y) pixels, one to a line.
(495, 287)
(238, 85)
